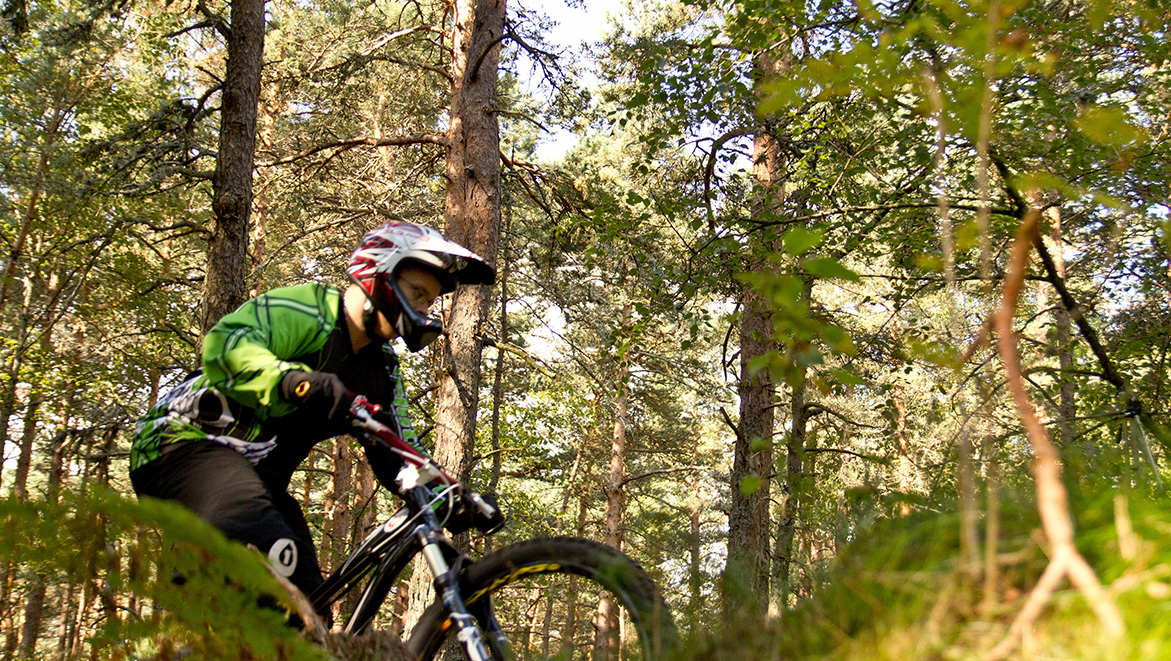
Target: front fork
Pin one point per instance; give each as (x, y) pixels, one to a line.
(447, 586)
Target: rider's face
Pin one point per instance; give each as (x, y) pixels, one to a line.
(420, 288)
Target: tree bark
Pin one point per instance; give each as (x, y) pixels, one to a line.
(790, 497)
(606, 616)
(747, 565)
(472, 210)
(266, 139)
(695, 576)
(473, 220)
(363, 509)
(33, 613)
(906, 466)
(226, 282)
(29, 214)
(27, 437)
(337, 514)
(747, 568)
(1066, 409)
(7, 409)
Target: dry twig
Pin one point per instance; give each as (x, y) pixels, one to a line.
(1052, 500)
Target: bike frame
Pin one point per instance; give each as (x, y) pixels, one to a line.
(386, 551)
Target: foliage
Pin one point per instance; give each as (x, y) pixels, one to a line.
(207, 591)
(909, 139)
(902, 591)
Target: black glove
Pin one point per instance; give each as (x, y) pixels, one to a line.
(467, 516)
(318, 390)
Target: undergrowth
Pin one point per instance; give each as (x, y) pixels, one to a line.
(901, 592)
(194, 596)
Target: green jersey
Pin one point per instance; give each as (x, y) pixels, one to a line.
(235, 399)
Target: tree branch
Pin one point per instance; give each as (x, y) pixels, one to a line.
(353, 143)
(813, 408)
(709, 171)
(728, 421)
(213, 19)
(661, 471)
(475, 73)
(1052, 499)
(877, 460)
(517, 351)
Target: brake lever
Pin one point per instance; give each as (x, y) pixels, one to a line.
(480, 503)
(363, 412)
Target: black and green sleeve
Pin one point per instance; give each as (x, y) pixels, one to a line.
(248, 351)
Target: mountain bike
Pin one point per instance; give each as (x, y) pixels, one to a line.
(538, 597)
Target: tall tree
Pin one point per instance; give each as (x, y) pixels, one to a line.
(472, 210)
(226, 281)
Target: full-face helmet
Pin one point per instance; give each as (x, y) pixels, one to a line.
(384, 252)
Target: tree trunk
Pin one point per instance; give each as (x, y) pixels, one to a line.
(615, 492)
(749, 521)
(34, 604)
(747, 566)
(363, 519)
(7, 409)
(27, 437)
(969, 511)
(473, 220)
(790, 499)
(472, 210)
(226, 283)
(11, 626)
(501, 364)
(695, 576)
(65, 607)
(12, 369)
(1066, 409)
(259, 235)
(33, 613)
(906, 466)
(307, 485)
(8, 278)
(991, 528)
(337, 514)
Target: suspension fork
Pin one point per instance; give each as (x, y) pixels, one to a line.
(447, 582)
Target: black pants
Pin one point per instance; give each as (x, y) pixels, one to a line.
(219, 485)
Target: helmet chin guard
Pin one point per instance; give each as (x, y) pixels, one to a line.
(385, 251)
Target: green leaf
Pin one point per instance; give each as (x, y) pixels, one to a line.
(838, 339)
(845, 377)
(1109, 125)
(751, 484)
(829, 268)
(799, 240)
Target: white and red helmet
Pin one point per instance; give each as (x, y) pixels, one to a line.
(385, 250)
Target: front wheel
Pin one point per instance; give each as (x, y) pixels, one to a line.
(557, 598)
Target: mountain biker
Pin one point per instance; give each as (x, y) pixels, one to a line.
(279, 375)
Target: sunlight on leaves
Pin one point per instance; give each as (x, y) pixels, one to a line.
(1109, 125)
(798, 240)
(751, 484)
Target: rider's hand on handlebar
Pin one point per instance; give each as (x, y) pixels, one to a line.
(319, 390)
(467, 516)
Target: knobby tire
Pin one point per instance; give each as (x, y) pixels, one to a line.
(538, 566)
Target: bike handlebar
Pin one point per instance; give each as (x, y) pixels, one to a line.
(362, 412)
